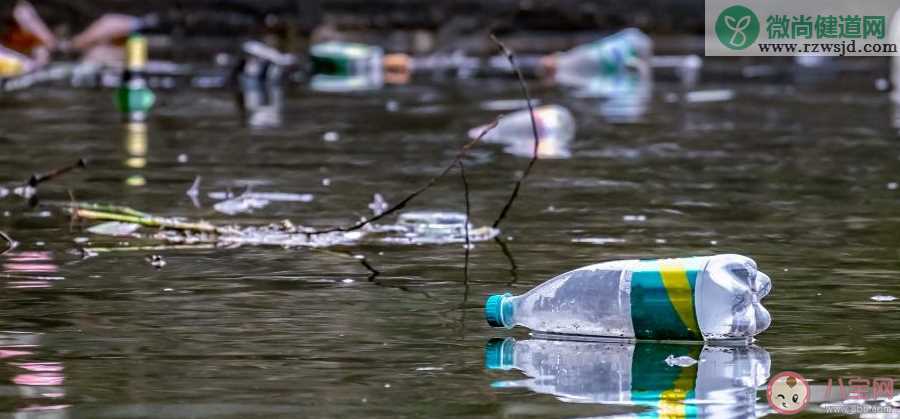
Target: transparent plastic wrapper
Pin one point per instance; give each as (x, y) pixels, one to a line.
(674, 380)
(699, 298)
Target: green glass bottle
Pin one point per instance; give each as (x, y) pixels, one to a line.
(134, 98)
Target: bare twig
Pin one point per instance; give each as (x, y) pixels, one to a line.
(373, 273)
(402, 203)
(38, 178)
(462, 174)
(10, 243)
(534, 130)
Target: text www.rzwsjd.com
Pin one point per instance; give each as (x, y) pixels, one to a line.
(828, 48)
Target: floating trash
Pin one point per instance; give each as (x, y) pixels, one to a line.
(883, 298)
(702, 96)
(378, 205)
(420, 227)
(156, 261)
(598, 240)
(249, 201)
(555, 128)
(629, 50)
(434, 227)
(331, 136)
(240, 204)
(114, 228)
(710, 298)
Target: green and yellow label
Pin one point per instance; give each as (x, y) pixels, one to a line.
(662, 299)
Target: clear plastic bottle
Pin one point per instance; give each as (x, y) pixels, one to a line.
(626, 50)
(676, 379)
(555, 127)
(712, 297)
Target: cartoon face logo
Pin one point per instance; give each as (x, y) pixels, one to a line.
(788, 393)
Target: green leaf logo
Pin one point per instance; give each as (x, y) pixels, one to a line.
(737, 27)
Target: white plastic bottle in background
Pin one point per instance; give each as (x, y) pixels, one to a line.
(679, 380)
(712, 297)
(628, 50)
(555, 127)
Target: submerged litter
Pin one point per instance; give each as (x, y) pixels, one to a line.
(883, 298)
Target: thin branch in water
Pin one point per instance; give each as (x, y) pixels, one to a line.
(10, 243)
(534, 130)
(462, 174)
(399, 205)
(372, 271)
(38, 178)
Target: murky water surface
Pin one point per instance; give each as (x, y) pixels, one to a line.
(803, 179)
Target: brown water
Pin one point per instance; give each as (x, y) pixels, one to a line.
(799, 178)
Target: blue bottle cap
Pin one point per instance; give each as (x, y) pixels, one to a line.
(493, 310)
(498, 353)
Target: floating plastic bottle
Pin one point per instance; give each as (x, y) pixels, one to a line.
(134, 97)
(345, 58)
(346, 67)
(555, 127)
(675, 380)
(712, 297)
(625, 51)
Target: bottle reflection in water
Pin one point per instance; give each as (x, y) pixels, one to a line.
(260, 97)
(671, 379)
(626, 97)
(136, 147)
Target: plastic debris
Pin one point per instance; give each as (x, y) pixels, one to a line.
(702, 96)
(156, 261)
(657, 302)
(114, 228)
(555, 127)
(378, 205)
(883, 298)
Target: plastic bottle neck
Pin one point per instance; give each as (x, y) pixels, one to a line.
(500, 310)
